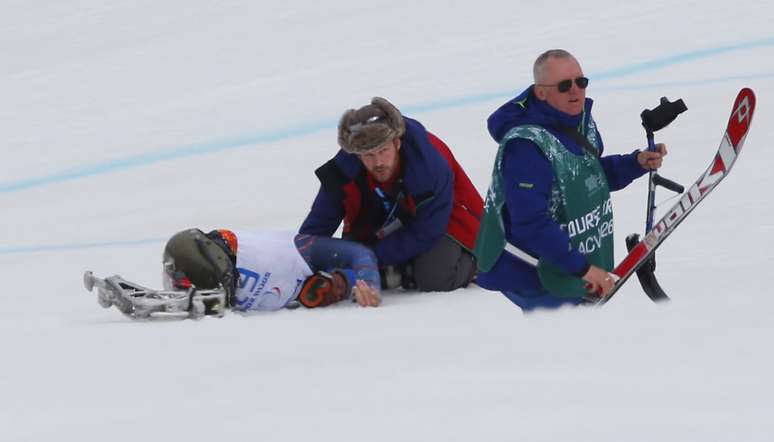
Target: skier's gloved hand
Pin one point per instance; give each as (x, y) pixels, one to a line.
(323, 289)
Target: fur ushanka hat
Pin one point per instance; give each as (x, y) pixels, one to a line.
(370, 126)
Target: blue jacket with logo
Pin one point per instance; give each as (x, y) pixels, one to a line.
(433, 195)
(528, 223)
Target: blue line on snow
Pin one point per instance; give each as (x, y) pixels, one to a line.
(166, 155)
(61, 247)
(659, 63)
(628, 87)
(308, 129)
(312, 128)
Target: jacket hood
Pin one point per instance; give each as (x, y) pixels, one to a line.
(527, 109)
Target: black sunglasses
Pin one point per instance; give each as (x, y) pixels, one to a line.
(565, 85)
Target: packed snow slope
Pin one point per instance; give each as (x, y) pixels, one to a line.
(125, 121)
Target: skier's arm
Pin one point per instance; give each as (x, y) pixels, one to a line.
(352, 260)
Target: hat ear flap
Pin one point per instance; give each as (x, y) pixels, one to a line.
(345, 134)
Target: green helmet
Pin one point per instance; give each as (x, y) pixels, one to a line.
(193, 258)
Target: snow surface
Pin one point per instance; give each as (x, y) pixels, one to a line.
(125, 121)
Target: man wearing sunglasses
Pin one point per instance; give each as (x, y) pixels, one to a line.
(399, 190)
(546, 239)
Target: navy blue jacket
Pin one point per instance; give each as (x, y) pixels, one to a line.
(427, 180)
(528, 223)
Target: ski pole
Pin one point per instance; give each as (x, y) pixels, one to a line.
(654, 120)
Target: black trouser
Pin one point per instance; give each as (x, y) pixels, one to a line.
(444, 267)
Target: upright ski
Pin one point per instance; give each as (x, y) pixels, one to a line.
(728, 152)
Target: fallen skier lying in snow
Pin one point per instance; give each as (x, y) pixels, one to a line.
(206, 274)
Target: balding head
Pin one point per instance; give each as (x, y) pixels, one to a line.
(559, 66)
(538, 69)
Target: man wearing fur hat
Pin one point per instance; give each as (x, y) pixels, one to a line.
(399, 190)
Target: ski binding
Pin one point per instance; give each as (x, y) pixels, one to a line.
(138, 302)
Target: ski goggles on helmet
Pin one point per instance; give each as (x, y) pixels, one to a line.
(174, 279)
(565, 85)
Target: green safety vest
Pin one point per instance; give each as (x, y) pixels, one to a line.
(580, 203)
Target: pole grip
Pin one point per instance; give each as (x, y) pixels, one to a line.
(667, 184)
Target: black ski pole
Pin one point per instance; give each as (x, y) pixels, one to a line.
(654, 120)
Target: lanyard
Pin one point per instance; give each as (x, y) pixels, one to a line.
(388, 207)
